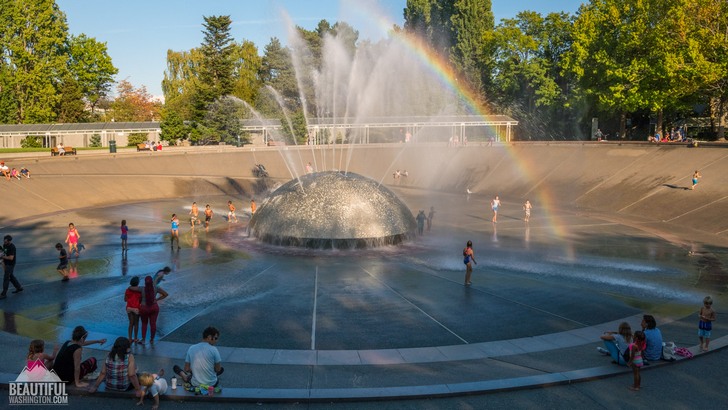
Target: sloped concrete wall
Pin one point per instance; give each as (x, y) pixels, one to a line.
(645, 183)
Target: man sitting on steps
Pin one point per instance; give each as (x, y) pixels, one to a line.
(202, 363)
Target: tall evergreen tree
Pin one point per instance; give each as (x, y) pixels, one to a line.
(216, 67)
(472, 46)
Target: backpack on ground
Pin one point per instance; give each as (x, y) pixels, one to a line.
(684, 352)
(668, 351)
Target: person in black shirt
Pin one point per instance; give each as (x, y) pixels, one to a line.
(9, 260)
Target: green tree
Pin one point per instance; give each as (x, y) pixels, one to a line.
(180, 82)
(222, 123)
(277, 72)
(92, 68)
(472, 31)
(630, 55)
(246, 67)
(527, 80)
(71, 106)
(173, 126)
(215, 72)
(431, 20)
(33, 37)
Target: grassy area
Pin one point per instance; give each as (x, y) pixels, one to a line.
(21, 150)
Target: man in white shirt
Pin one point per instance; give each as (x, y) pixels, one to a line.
(203, 362)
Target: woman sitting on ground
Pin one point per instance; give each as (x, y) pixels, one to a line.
(119, 369)
(616, 343)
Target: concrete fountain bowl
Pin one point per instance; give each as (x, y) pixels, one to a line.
(333, 210)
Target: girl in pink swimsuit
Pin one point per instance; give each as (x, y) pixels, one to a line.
(72, 239)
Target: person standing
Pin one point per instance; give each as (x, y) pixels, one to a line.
(72, 238)
(527, 209)
(696, 176)
(62, 267)
(494, 204)
(175, 231)
(194, 216)
(636, 359)
(429, 218)
(468, 260)
(253, 207)
(149, 309)
(8, 256)
(208, 217)
(705, 325)
(421, 222)
(124, 234)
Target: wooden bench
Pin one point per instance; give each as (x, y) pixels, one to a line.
(143, 147)
(68, 151)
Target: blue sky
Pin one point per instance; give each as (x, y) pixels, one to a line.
(139, 33)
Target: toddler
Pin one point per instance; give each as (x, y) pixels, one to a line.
(635, 358)
(154, 385)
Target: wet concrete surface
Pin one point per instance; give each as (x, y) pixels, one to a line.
(531, 279)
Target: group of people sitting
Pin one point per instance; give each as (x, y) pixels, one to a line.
(616, 343)
(674, 135)
(10, 173)
(119, 370)
(153, 146)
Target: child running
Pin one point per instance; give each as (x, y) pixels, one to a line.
(133, 299)
(175, 231)
(153, 385)
(635, 358)
(231, 212)
(62, 262)
(705, 326)
(36, 351)
(72, 239)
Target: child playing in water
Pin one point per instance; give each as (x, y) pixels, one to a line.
(159, 276)
(133, 299)
(124, 234)
(705, 326)
(153, 385)
(175, 230)
(635, 357)
(72, 239)
(36, 352)
(62, 267)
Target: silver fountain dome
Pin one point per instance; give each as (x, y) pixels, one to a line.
(332, 210)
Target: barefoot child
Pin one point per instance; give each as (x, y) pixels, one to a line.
(153, 385)
(175, 230)
(635, 358)
(62, 262)
(133, 299)
(124, 234)
(72, 239)
(705, 326)
(36, 352)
